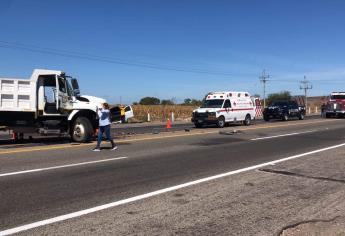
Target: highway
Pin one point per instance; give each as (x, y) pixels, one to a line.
(202, 182)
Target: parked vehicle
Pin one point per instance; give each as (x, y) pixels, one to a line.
(221, 108)
(116, 113)
(284, 110)
(335, 106)
(49, 104)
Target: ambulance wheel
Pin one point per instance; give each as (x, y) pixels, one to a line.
(198, 125)
(221, 122)
(81, 130)
(247, 121)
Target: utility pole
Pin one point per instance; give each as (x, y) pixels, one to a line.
(305, 86)
(263, 79)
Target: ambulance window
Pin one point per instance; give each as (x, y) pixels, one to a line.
(227, 104)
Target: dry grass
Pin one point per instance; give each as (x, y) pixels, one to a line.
(161, 113)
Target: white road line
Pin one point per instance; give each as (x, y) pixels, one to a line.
(283, 135)
(59, 167)
(155, 193)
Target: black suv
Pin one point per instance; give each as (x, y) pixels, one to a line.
(284, 110)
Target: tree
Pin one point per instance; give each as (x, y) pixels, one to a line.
(187, 101)
(195, 102)
(149, 101)
(283, 95)
(167, 102)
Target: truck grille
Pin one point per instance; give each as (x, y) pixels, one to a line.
(200, 115)
(335, 106)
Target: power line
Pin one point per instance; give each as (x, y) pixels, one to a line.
(85, 56)
(263, 79)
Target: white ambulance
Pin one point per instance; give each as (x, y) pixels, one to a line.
(221, 108)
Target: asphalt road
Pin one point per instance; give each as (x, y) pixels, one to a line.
(146, 165)
(121, 130)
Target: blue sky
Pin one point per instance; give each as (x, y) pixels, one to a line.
(228, 43)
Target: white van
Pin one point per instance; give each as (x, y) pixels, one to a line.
(221, 108)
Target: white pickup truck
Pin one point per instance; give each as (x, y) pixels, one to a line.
(49, 103)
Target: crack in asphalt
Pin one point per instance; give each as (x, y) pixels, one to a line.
(291, 226)
(288, 173)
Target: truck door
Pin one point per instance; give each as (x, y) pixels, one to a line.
(128, 112)
(115, 114)
(293, 109)
(64, 95)
(228, 113)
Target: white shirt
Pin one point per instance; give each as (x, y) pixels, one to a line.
(104, 117)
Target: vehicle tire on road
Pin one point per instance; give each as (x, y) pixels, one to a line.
(248, 120)
(221, 122)
(301, 116)
(81, 130)
(285, 117)
(198, 125)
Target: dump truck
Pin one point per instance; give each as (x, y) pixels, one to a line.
(49, 103)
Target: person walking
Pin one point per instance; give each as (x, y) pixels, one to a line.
(104, 127)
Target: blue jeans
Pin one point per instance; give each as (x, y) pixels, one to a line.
(106, 130)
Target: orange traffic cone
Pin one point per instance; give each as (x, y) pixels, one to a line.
(168, 124)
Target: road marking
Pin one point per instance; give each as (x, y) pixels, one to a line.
(56, 147)
(155, 193)
(283, 135)
(60, 167)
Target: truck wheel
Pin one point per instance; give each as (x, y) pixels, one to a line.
(81, 130)
(285, 117)
(198, 125)
(248, 120)
(221, 122)
(301, 116)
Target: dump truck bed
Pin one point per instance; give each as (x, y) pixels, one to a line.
(17, 95)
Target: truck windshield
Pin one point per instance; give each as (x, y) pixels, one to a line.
(337, 97)
(214, 103)
(69, 88)
(73, 91)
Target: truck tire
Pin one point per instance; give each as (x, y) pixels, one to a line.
(248, 120)
(81, 130)
(198, 125)
(285, 117)
(301, 116)
(221, 122)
